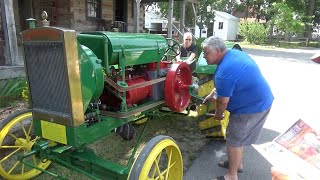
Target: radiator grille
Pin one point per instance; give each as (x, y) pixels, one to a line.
(47, 76)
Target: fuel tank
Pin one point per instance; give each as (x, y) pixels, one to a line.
(124, 49)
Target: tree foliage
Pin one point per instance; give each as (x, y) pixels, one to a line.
(204, 10)
(305, 11)
(253, 32)
(286, 20)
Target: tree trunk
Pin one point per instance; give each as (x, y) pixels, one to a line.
(258, 12)
(310, 12)
(246, 12)
(271, 33)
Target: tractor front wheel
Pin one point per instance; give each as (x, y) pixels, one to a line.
(160, 159)
(17, 139)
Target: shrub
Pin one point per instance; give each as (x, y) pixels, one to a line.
(11, 90)
(254, 32)
(198, 45)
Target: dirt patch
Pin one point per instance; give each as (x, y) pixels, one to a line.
(5, 112)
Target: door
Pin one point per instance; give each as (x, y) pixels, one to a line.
(121, 14)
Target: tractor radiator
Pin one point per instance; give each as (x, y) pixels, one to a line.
(47, 76)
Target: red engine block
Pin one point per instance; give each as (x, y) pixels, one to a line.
(136, 95)
(132, 97)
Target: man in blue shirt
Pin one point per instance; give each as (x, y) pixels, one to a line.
(243, 91)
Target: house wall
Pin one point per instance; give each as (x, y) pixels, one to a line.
(58, 12)
(232, 30)
(79, 21)
(222, 33)
(130, 25)
(72, 14)
(204, 32)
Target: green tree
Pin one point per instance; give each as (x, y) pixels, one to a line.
(204, 10)
(253, 32)
(286, 20)
(309, 11)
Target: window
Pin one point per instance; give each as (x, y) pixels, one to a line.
(93, 9)
(220, 25)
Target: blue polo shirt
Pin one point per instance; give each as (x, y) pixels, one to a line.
(239, 77)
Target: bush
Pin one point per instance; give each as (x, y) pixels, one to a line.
(11, 90)
(198, 45)
(254, 33)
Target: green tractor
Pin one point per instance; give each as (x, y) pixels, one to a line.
(84, 86)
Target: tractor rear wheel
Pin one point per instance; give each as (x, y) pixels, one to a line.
(16, 139)
(159, 159)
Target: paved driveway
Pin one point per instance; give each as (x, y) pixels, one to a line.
(295, 82)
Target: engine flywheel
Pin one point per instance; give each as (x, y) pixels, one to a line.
(178, 80)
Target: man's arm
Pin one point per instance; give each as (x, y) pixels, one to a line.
(178, 57)
(221, 106)
(191, 57)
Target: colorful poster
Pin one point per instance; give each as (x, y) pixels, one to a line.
(297, 150)
(303, 141)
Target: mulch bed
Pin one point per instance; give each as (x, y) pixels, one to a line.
(7, 111)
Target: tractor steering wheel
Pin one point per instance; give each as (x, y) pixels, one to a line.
(172, 50)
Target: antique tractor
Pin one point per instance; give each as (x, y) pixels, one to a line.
(84, 86)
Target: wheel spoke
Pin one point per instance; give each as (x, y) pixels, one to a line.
(35, 139)
(157, 166)
(7, 157)
(14, 166)
(13, 136)
(34, 160)
(166, 169)
(11, 147)
(31, 124)
(157, 160)
(22, 169)
(169, 162)
(25, 132)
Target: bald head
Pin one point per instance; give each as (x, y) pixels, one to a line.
(187, 39)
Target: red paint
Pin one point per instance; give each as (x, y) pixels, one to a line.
(47, 34)
(153, 66)
(178, 80)
(136, 95)
(316, 58)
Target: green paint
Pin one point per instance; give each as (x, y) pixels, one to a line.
(136, 48)
(91, 74)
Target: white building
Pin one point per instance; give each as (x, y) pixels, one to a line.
(225, 26)
(157, 24)
(204, 32)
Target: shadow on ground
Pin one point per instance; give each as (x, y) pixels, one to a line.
(255, 166)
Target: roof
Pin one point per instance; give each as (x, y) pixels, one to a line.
(226, 15)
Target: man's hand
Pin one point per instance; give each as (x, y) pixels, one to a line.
(218, 116)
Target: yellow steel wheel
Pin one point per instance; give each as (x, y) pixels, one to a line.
(160, 159)
(17, 138)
